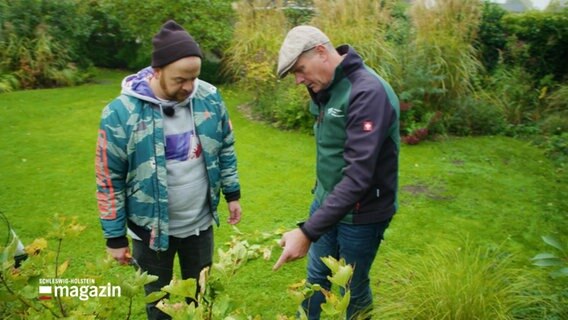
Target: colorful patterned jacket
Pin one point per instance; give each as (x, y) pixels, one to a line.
(131, 164)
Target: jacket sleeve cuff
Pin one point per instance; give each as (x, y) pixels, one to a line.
(233, 196)
(307, 232)
(116, 243)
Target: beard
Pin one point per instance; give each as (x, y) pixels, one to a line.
(179, 95)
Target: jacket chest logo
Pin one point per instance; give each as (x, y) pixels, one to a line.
(336, 113)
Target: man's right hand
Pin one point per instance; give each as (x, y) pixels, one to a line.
(122, 255)
(296, 245)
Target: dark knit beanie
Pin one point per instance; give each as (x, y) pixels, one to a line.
(172, 43)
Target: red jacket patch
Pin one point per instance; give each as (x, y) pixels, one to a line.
(367, 126)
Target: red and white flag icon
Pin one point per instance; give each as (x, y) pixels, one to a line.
(45, 292)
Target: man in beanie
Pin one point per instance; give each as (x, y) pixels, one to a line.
(165, 151)
(357, 138)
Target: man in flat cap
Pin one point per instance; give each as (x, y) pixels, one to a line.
(357, 139)
(165, 151)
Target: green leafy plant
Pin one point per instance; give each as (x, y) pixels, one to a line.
(558, 100)
(492, 39)
(213, 300)
(363, 24)
(445, 31)
(299, 12)
(476, 116)
(335, 306)
(251, 60)
(19, 285)
(41, 43)
(557, 260)
(542, 38)
(209, 22)
(8, 82)
(557, 297)
(513, 92)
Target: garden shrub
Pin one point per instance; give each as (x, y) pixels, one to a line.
(558, 99)
(476, 116)
(287, 107)
(437, 64)
(545, 37)
(553, 135)
(211, 71)
(66, 22)
(209, 22)
(491, 40)
(556, 148)
(444, 36)
(259, 32)
(439, 57)
(41, 43)
(300, 12)
(54, 43)
(363, 24)
(8, 82)
(110, 45)
(554, 124)
(419, 79)
(20, 279)
(253, 53)
(513, 90)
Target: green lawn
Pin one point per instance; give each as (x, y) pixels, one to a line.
(492, 192)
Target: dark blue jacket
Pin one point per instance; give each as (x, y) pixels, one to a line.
(358, 143)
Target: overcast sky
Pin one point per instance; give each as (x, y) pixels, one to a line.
(539, 4)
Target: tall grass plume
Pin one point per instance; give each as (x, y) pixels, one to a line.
(460, 282)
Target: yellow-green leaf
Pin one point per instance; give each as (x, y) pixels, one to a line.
(155, 296)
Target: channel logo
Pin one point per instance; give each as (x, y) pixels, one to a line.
(45, 292)
(82, 292)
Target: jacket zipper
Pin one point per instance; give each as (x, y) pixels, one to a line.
(318, 136)
(156, 184)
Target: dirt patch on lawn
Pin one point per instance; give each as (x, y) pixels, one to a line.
(246, 111)
(424, 190)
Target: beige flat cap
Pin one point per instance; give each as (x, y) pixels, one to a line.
(298, 40)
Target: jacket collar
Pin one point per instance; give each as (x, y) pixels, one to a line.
(348, 65)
